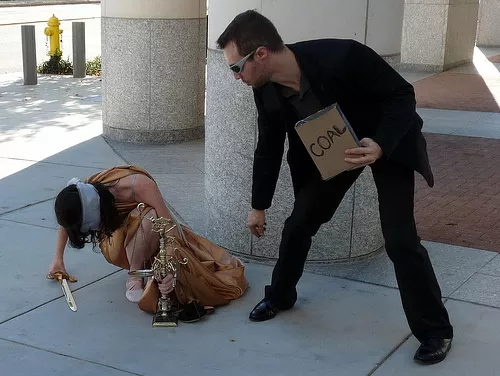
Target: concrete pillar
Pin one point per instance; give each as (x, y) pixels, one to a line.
(79, 57)
(231, 130)
(153, 57)
(29, 54)
(488, 30)
(439, 34)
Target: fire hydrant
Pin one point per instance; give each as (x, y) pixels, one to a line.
(53, 32)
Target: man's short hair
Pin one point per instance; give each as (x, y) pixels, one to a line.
(250, 30)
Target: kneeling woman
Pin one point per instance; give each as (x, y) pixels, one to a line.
(103, 211)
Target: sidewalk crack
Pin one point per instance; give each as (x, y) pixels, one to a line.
(69, 356)
(385, 358)
(46, 162)
(58, 297)
(26, 206)
(449, 296)
(27, 224)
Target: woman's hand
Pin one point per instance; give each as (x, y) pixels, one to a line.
(166, 284)
(57, 266)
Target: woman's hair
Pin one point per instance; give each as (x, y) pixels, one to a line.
(68, 208)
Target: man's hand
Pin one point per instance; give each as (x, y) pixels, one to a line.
(166, 284)
(365, 155)
(257, 222)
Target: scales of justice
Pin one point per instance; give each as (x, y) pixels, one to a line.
(165, 262)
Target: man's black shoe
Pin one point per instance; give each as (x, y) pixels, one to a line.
(433, 350)
(263, 311)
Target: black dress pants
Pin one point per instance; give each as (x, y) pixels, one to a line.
(315, 203)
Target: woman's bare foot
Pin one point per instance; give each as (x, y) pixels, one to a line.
(135, 289)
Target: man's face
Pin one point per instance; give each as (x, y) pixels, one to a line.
(251, 70)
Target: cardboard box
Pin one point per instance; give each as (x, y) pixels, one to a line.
(326, 135)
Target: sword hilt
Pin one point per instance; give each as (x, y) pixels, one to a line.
(61, 275)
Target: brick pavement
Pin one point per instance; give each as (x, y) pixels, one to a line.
(463, 207)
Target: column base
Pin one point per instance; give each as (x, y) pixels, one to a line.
(432, 68)
(159, 136)
(438, 36)
(393, 60)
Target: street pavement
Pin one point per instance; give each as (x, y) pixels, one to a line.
(348, 320)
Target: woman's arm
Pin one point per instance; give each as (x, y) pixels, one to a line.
(58, 260)
(147, 191)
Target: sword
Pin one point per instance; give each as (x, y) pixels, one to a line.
(63, 280)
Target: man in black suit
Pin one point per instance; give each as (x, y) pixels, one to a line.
(291, 82)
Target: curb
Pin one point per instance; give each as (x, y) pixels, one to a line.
(33, 3)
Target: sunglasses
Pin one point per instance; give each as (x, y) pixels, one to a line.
(238, 66)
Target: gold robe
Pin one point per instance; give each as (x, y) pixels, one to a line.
(212, 275)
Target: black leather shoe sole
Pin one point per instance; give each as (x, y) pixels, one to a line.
(428, 357)
(259, 319)
(192, 313)
(429, 362)
(263, 311)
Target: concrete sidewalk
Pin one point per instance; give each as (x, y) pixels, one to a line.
(348, 320)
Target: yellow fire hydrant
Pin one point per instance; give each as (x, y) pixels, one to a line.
(53, 32)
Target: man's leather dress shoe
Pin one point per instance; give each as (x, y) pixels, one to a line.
(263, 311)
(433, 350)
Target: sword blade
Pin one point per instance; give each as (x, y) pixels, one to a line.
(68, 295)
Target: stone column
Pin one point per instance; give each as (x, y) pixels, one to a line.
(231, 132)
(488, 30)
(153, 56)
(438, 34)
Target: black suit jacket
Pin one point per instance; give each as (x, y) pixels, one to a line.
(375, 99)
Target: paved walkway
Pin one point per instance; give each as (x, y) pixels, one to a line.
(348, 320)
(463, 208)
